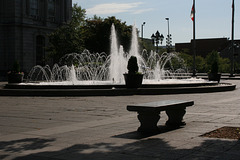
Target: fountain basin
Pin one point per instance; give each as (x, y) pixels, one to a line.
(112, 89)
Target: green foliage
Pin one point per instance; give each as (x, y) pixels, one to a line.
(97, 34)
(187, 59)
(224, 65)
(81, 33)
(200, 64)
(68, 38)
(132, 65)
(16, 67)
(78, 16)
(187, 62)
(174, 63)
(213, 62)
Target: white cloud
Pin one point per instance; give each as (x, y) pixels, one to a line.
(142, 10)
(112, 8)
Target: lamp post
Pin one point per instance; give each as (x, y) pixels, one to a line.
(142, 29)
(169, 38)
(156, 38)
(232, 42)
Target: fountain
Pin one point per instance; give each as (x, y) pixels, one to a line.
(88, 68)
(100, 71)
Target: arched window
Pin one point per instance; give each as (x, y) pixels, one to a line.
(40, 50)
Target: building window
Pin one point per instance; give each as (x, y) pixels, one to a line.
(51, 9)
(33, 7)
(2, 6)
(65, 10)
(40, 50)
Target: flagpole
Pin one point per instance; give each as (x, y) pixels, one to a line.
(232, 42)
(194, 42)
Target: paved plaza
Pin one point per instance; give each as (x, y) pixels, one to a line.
(100, 128)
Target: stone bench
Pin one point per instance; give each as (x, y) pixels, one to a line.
(149, 113)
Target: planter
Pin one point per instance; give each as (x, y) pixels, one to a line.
(214, 77)
(15, 78)
(133, 80)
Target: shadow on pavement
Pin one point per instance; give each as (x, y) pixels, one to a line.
(138, 135)
(151, 149)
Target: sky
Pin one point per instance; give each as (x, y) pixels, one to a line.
(213, 17)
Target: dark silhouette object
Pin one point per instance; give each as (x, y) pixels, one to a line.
(15, 76)
(132, 65)
(214, 74)
(133, 79)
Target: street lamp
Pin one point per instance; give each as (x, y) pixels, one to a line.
(142, 29)
(169, 38)
(232, 42)
(156, 38)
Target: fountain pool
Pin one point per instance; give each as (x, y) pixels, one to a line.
(99, 74)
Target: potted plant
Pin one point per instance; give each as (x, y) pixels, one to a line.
(133, 78)
(15, 75)
(214, 74)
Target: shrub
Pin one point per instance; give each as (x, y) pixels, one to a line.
(132, 65)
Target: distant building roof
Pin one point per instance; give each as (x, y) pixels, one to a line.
(203, 46)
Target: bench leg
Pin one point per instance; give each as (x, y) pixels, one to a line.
(175, 117)
(148, 121)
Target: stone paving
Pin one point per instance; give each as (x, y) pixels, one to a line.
(100, 128)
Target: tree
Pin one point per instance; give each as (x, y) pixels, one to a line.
(187, 59)
(68, 38)
(214, 57)
(200, 62)
(92, 34)
(97, 34)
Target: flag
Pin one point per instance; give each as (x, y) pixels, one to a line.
(192, 13)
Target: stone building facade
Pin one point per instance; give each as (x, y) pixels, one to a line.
(24, 26)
